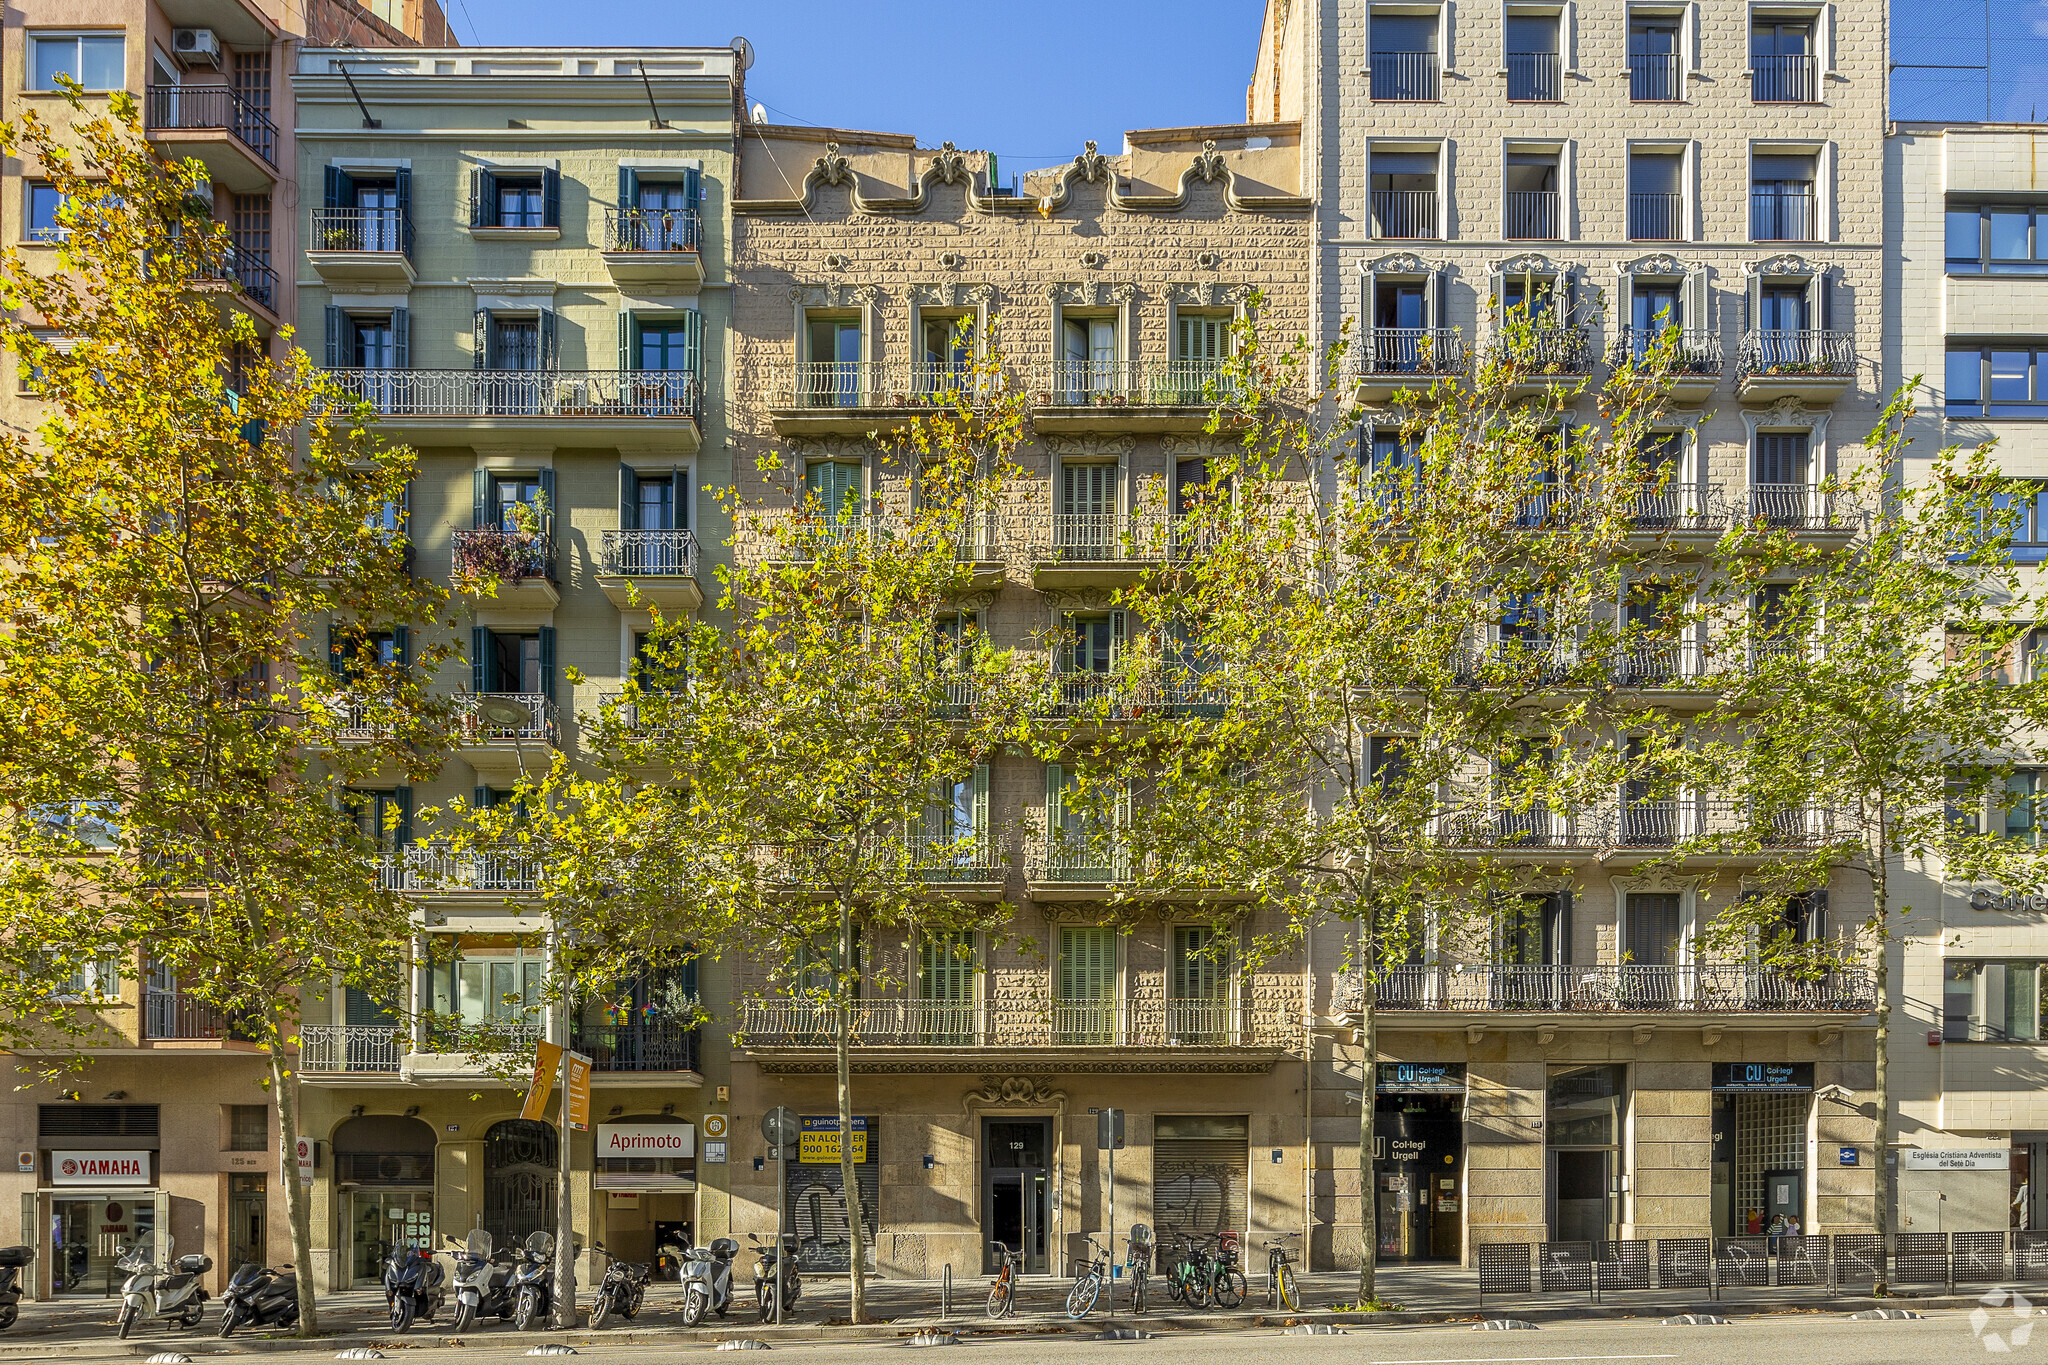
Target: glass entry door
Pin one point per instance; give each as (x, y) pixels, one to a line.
(1014, 1186)
(381, 1219)
(88, 1235)
(1582, 1198)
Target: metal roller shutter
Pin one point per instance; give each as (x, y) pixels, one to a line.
(817, 1208)
(1199, 1183)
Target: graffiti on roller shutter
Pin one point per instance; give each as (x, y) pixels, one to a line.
(1193, 1195)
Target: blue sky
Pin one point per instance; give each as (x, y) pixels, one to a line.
(1033, 79)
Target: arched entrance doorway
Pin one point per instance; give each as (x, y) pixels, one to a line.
(521, 1160)
(384, 1187)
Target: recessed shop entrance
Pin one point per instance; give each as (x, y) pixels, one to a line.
(1419, 1161)
(1015, 1182)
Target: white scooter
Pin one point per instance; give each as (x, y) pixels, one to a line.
(707, 1279)
(154, 1293)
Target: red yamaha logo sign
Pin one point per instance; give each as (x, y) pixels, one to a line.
(99, 1168)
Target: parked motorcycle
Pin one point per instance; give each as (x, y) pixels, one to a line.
(153, 1292)
(775, 1262)
(12, 1259)
(258, 1296)
(413, 1286)
(483, 1281)
(533, 1281)
(620, 1291)
(669, 1253)
(707, 1279)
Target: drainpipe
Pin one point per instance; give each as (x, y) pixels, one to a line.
(1308, 1096)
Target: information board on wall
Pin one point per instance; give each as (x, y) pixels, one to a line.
(819, 1144)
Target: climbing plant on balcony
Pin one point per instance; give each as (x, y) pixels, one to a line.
(189, 512)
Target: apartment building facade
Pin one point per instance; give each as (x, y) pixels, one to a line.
(168, 1129)
(1612, 172)
(1966, 291)
(517, 258)
(867, 270)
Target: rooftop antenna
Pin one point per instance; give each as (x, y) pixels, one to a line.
(657, 121)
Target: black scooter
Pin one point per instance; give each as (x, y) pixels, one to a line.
(412, 1287)
(775, 1262)
(12, 1259)
(258, 1296)
(533, 1281)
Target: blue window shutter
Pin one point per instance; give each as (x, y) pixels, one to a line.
(547, 662)
(480, 798)
(547, 522)
(401, 338)
(693, 189)
(337, 334)
(404, 795)
(679, 498)
(483, 198)
(401, 645)
(480, 488)
(479, 659)
(629, 498)
(693, 342)
(629, 358)
(629, 189)
(339, 192)
(482, 329)
(550, 340)
(551, 198)
(403, 178)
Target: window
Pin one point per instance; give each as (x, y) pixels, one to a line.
(515, 199)
(481, 977)
(1390, 470)
(2019, 509)
(946, 971)
(1656, 196)
(1086, 527)
(351, 655)
(383, 819)
(1202, 342)
(1404, 200)
(1782, 204)
(248, 1127)
(96, 978)
(832, 376)
(1085, 1011)
(1199, 988)
(1991, 1002)
(1999, 239)
(375, 343)
(1404, 56)
(1532, 197)
(1092, 644)
(1088, 358)
(667, 346)
(1653, 59)
(1987, 381)
(94, 824)
(2024, 803)
(1782, 66)
(1388, 762)
(832, 487)
(1532, 57)
(95, 61)
(44, 204)
(515, 663)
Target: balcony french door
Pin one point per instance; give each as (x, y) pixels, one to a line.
(1087, 515)
(1084, 1012)
(945, 988)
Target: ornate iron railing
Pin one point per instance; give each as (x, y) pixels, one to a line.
(650, 229)
(329, 1048)
(524, 393)
(384, 231)
(1408, 350)
(648, 554)
(885, 384)
(1704, 988)
(1036, 1023)
(650, 1045)
(1134, 383)
(535, 723)
(1695, 350)
(1795, 351)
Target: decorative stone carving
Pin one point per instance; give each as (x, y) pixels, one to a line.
(1014, 1092)
(1529, 263)
(1123, 294)
(832, 168)
(1208, 260)
(981, 295)
(1192, 293)
(952, 260)
(834, 294)
(949, 164)
(1656, 263)
(1195, 447)
(1208, 164)
(1786, 263)
(1091, 447)
(1091, 165)
(1094, 260)
(1399, 263)
(835, 261)
(944, 294)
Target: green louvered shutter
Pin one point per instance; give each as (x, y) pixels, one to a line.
(981, 801)
(945, 983)
(1086, 1009)
(629, 350)
(693, 341)
(835, 488)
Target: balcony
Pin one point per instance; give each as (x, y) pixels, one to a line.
(1497, 827)
(1662, 510)
(1073, 866)
(1735, 988)
(970, 867)
(1653, 77)
(1093, 549)
(544, 406)
(1169, 1033)
(1666, 665)
(1545, 356)
(1521, 660)
(249, 280)
(638, 1048)
(514, 569)
(1167, 694)
(505, 733)
(173, 1016)
(1692, 358)
(350, 1049)
(1784, 79)
(652, 246)
(1784, 216)
(650, 569)
(1533, 216)
(1405, 215)
(1406, 76)
(454, 1053)
(1535, 76)
(1129, 396)
(1387, 360)
(1801, 507)
(216, 127)
(807, 537)
(647, 714)
(1656, 216)
(1712, 826)
(362, 246)
(427, 870)
(855, 397)
(1811, 365)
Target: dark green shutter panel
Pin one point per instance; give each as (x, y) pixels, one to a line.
(629, 189)
(479, 659)
(481, 339)
(629, 498)
(693, 342)
(628, 360)
(337, 331)
(339, 191)
(483, 198)
(402, 179)
(480, 798)
(480, 489)
(693, 189)
(401, 645)
(678, 498)
(551, 198)
(401, 338)
(334, 651)
(404, 795)
(688, 974)
(550, 339)
(1055, 799)
(546, 478)
(547, 662)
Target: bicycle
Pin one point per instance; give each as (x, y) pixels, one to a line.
(1186, 1278)
(1281, 1291)
(1138, 1256)
(1002, 1295)
(1227, 1284)
(1088, 1283)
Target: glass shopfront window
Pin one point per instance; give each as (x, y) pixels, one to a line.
(1419, 1160)
(1582, 1128)
(87, 1235)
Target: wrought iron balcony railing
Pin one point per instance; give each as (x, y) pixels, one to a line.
(331, 1048)
(1135, 384)
(1797, 351)
(968, 858)
(1171, 693)
(650, 229)
(507, 718)
(1406, 76)
(500, 1035)
(1405, 215)
(1072, 856)
(1694, 351)
(1021, 1024)
(384, 231)
(648, 554)
(885, 384)
(427, 869)
(1532, 216)
(171, 1015)
(1653, 76)
(1670, 663)
(636, 394)
(648, 713)
(1700, 988)
(646, 1045)
(1784, 216)
(1656, 216)
(1498, 826)
(1660, 822)
(1677, 507)
(1799, 507)
(1535, 76)
(1420, 351)
(1784, 78)
(202, 108)
(248, 272)
(1547, 349)
(494, 553)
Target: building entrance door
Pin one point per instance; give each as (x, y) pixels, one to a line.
(382, 1219)
(1418, 1176)
(1015, 1173)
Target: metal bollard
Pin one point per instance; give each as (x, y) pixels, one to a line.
(946, 1293)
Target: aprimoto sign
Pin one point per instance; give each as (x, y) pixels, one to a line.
(618, 1140)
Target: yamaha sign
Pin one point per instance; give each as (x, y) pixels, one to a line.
(99, 1168)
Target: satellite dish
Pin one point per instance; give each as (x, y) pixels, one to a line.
(759, 113)
(743, 53)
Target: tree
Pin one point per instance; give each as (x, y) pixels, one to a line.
(1876, 695)
(1420, 679)
(826, 735)
(181, 748)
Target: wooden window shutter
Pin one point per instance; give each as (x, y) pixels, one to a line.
(338, 329)
(483, 329)
(404, 795)
(628, 335)
(551, 197)
(480, 660)
(629, 190)
(401, 338)
(1055, 799)
(401, 645)
(981, 800)
(338, 191)
(480, 493)
(693, 341)
(679, 499)
(402, 183)
(483, 198)
(693, 189)
(629, 498)
(550, 339)
(547, 662)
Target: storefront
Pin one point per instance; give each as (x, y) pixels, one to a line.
(646, 1183)
(100, 1190)
(384, 1187)
(1201, 1176)
(1419, 1160)
(1759, 1146)
(1583, 1152)
(1016, 1174)
(817, 1211)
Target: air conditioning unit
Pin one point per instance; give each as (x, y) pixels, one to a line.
(195, 47)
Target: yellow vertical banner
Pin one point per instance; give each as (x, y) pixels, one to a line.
(546, 1057)
(579, 1091)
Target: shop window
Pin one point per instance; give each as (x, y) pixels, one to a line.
(1991, 1002)
(1582, 1129)
(248, 1127)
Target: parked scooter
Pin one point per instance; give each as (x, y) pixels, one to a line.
(620, 1291)
(773, 1263)
(152, 1292)
(483, 1281)
(707, 1279)
(12, 1259)
(669, 1253)
(258, 1296)
(414, 1287)
(533, 1281)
